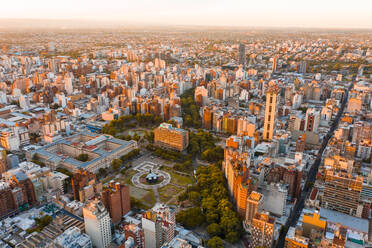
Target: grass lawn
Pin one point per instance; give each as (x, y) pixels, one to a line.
(149, 199)
(168, 191)
(177, 178)
(146, 197)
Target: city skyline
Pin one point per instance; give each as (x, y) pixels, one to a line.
(237, 13)
(181, 124)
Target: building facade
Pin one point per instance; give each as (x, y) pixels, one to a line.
(170, 137)
(342, 192)
(116, 199)
(97, 224)
(272, 100)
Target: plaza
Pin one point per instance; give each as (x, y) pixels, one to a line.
(146, 167)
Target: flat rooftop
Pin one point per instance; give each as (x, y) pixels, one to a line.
(97, 146)
(345, 220)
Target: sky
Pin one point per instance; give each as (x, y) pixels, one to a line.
(241, 13)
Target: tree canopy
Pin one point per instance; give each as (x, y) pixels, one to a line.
(190, 111)
(211, 198)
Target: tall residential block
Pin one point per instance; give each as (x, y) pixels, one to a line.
(342, 192)
(254, 205)
(116, 199)
(158, 225)
(97, 223)
(263, 230)
(170, 137)
(241, 54)
(84, 185)
(272, 101)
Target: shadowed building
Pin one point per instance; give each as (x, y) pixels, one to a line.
(116, 199)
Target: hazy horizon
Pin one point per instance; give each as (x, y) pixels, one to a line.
(218, 13)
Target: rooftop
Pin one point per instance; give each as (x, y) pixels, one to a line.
(99, 146)
(346, 220)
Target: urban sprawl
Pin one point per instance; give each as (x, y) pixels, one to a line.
(185, 138)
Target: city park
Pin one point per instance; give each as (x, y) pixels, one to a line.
(191, 180)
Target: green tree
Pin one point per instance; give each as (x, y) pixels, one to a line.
(211, 217)
(83, 157)
(116, 164)
(190, 218)
(215, 242)
(214, 230)
(232, 237)
(102, 172)
(194, 197)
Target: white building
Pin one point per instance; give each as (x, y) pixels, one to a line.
(12, 138)
(158, 225)
(326, 114)
(275, 198)
(24, 102)
(68, 85)
(364, 149)
(297, 101)
(97, 223)
(73, 238)
(203, 92)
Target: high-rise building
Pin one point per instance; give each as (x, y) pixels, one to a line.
(8, 204)
(275, 63)
(242, 54)
(116, 199)
(68, 85)
(97, 223)
(158, 225)
(3, 161)
(263, 230)
(301, 143)
(254, 206)
(85, 185)
(275, 196)
(312, 120)
(342, 192)
(272, 101)
(303, 67)
(135, 231)
(23, 188)
(235, 167)
(207, 118)
(170, 137)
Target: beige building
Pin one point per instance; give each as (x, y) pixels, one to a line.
(342, 192)
(99, 149)
(272, 100)
(263, 230)
(170, 137)
(254, 205)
